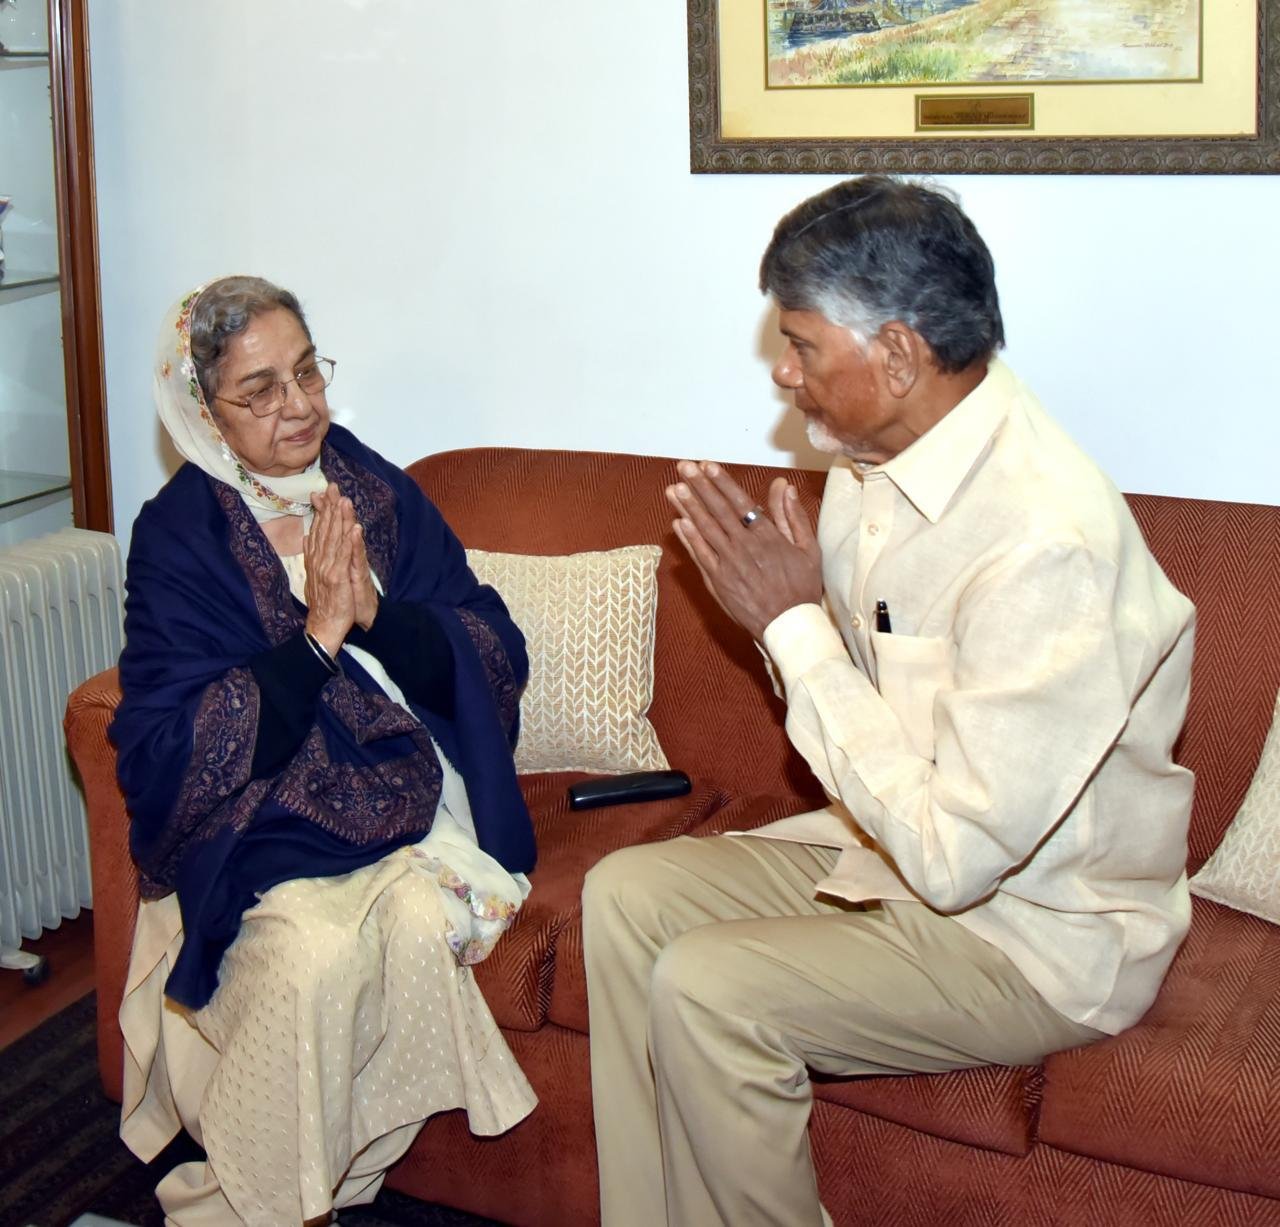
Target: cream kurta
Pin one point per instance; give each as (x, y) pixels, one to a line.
(341, 1022)
(1008, 746)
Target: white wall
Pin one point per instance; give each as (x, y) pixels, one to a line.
(488, 214)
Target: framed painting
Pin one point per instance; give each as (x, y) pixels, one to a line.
(985, 86)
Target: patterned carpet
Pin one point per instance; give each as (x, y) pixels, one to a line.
(60, 1155)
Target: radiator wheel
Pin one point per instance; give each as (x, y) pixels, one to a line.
(37, 973)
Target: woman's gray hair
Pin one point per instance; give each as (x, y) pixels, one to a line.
(876, 249)
(225, 309)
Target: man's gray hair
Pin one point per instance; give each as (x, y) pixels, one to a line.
(223, 310)
(876, 249)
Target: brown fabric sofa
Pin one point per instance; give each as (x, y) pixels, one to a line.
(1176, 1121)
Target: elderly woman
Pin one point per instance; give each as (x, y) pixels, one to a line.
(315, 745)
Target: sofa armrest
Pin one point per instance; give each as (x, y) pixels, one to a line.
(115, 878)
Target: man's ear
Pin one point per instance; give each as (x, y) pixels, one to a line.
(904, 357)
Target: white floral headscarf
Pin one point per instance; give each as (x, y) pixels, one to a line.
(196, 435)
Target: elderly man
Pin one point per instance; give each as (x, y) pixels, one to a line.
(986, 669)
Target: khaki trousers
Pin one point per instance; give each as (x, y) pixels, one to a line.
(716, 981)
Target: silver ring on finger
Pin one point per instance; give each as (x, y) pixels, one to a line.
(752, 516)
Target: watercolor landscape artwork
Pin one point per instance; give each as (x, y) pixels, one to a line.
(915, 42)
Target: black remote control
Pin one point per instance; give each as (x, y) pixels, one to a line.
(625, 789)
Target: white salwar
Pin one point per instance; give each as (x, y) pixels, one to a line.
(343, 1018)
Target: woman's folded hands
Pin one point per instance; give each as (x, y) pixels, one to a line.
(339, 589)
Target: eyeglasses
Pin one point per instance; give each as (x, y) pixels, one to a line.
(312, 378)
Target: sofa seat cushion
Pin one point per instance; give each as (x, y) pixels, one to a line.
(1193, 1090)
(569, 991)
(993, 1107)
(542, 1173)
(516, 978)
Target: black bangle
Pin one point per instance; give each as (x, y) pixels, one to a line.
(319, 649)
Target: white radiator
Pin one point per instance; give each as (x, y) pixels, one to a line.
(60, 623)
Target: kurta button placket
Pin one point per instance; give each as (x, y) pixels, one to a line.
(877, 518)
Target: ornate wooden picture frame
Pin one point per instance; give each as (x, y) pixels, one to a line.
(1223, 120)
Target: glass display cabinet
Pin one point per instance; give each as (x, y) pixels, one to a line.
(53, 443)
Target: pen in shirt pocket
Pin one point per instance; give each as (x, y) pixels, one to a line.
(883, 624)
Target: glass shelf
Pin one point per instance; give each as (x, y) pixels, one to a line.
(22, 487)
(25, 279)
(25, 57)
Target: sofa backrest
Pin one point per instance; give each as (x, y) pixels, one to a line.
(1226, 558)
(713, 708)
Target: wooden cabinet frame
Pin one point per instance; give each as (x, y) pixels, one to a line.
(78, 263)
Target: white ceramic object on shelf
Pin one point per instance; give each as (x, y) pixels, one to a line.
(24, 25)
(5, 202)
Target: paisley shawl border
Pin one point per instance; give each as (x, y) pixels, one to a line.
(497, 667)
(216, 789)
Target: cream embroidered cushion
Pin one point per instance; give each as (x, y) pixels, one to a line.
(1244, 871)
(588, 620)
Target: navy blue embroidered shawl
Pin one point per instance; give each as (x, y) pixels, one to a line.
(206, 594)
